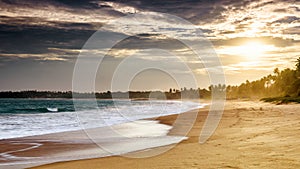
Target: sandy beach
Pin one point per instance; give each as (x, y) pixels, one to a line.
(145, 84)
(251, 134)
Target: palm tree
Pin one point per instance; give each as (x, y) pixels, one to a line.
(298, 65)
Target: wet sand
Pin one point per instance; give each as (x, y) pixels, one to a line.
(251, 134)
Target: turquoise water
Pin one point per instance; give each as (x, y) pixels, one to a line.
(28, 117)
(28, 106)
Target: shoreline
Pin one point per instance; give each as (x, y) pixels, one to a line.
(68, 119)
(251, 134)
(57, 147)
(54, 144)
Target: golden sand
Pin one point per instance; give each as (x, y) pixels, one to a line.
(250, 135)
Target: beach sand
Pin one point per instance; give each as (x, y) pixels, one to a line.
(251, 134)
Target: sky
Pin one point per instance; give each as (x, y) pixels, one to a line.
(41, 42)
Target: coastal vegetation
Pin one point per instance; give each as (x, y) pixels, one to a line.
(282, 86)
(172, 94)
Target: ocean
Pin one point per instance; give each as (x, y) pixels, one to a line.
(30, 117)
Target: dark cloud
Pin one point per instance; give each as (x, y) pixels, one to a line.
(192, 10)
(36, 34)
(292, 30)
(78, 3)
(45, 11)
(264, 4)
(280, 10)
(30, 22)
(149, 42)
(37, 39)
(297, 9)
(287, 19)
(39, 3)
(242, 20)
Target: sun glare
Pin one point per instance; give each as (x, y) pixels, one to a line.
(250, 49)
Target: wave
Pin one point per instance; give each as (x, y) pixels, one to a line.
(60, 117)
(52, 109)
(37, 110)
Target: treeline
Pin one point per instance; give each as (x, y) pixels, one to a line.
(284, 83)
(171, 94)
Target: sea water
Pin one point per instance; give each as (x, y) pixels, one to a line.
(29, 117)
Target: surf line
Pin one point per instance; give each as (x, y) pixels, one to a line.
(8, 154)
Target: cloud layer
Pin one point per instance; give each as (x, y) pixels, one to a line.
(47, 33)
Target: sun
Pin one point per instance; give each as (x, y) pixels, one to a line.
(251, 49)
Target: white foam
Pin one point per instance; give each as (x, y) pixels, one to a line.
(115, 140)
(52, 109)
(21, 125)
(9, 154)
